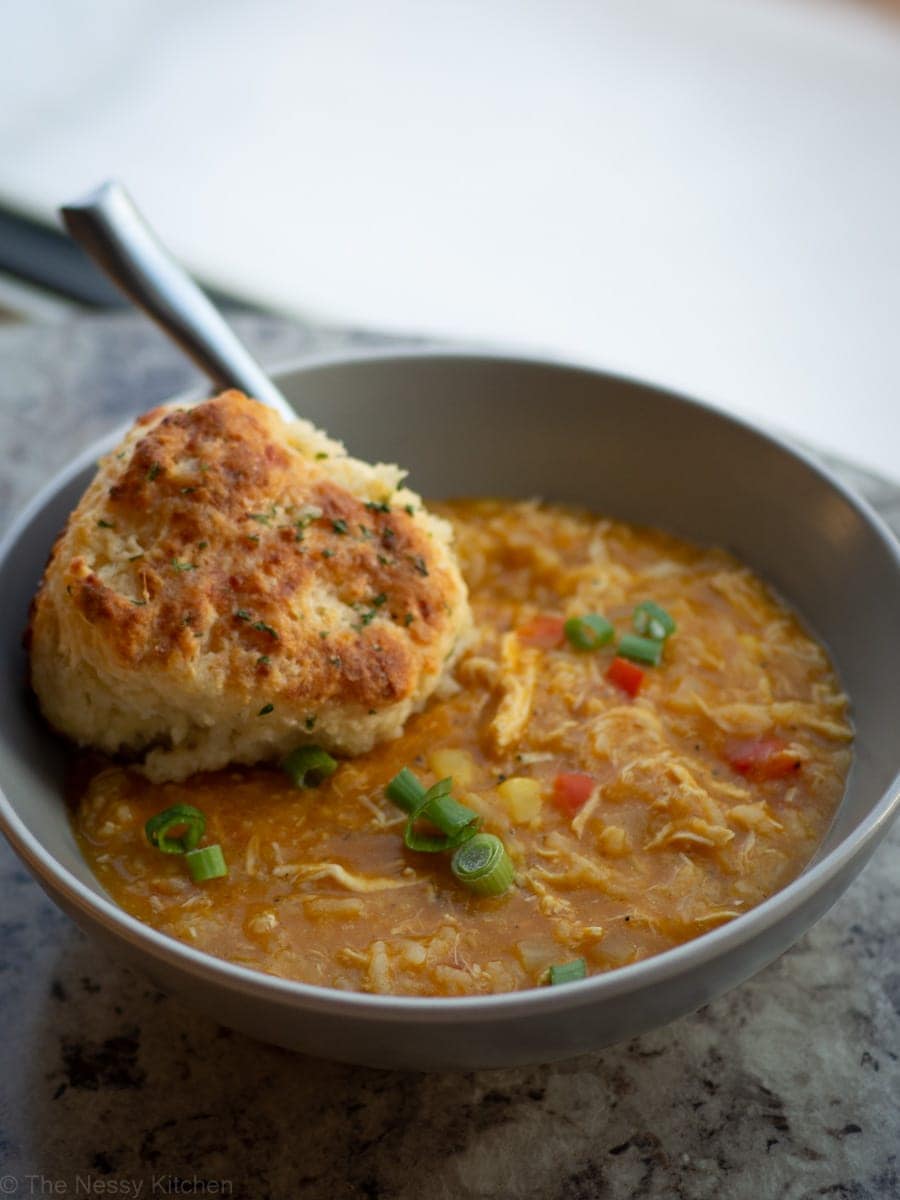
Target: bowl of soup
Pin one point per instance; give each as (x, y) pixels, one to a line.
(674, 713)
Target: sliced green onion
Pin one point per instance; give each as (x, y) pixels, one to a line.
(308, 766)
(456, 822)
(178, 816)
(649, 620)
(435, 804)
(405, 790)
(589, 632)
(206, 863)
(482, 865)
(567, 972)
(640, 649)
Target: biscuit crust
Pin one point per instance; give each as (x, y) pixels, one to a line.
(232, 585)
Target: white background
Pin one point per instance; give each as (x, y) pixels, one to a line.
(703, 192)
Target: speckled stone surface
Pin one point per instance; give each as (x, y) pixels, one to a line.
(788, 1087)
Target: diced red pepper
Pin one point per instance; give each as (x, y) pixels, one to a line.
(571, 790)
(761, 757)
(543, 632)
(626, 675)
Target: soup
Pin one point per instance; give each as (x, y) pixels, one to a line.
(641, 804)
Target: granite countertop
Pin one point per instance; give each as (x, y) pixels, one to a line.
(787, 1087)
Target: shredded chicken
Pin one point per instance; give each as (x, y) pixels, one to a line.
(671, 839)
(695, 830)
(750, 720)
(340, 875)
(587, 811)
(518, 675)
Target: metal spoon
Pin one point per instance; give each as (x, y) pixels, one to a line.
(108, 225)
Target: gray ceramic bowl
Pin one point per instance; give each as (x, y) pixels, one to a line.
(483, 425)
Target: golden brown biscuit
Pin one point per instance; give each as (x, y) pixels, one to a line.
(231, 586)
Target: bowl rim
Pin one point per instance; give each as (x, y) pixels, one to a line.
(657, 969)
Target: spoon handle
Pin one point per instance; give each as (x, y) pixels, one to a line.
(108, 225)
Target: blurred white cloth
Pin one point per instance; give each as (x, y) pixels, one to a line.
(702, 192)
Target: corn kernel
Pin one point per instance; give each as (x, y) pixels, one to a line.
(521, 798)
(457, 764)
(614, 840)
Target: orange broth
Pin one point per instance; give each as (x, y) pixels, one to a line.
(683, 829)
